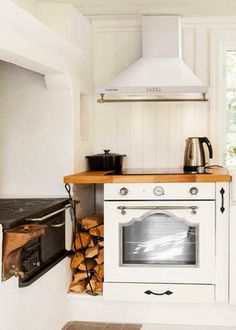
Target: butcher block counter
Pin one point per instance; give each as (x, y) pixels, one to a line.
(99, 177)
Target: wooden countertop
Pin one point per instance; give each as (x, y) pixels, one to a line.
(217, 175)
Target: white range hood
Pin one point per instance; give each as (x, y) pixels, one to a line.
(160, 74)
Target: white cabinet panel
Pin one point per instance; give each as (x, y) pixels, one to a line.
(171, 191)
(222, 242)
(175, 293)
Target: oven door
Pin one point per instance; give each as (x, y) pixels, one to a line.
(161, 242)
(53, 242)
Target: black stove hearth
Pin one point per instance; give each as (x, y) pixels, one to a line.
(14, 211)
(33, 236)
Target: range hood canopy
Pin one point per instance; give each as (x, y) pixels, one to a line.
(160, 74)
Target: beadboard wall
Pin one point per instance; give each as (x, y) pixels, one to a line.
(151, 135)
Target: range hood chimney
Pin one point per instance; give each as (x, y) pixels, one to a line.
(160, 74)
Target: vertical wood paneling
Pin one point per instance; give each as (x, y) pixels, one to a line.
(189, 57)
(202, 54)
(202, 71)
(98, 60)
(99, 129)
(188, 120)
(152, 135)
(176, 136)
(163, 134)
(188, 48)
(149, 135)
(111, 127)
(136, 142)
(99, 123)
(124, 132)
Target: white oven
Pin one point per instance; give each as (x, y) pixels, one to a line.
(160, 233)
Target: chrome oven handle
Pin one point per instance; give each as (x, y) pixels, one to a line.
(124, 208)
(49, 214)
(58, 225)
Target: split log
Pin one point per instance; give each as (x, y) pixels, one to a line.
(80, 287)
(101, 243)
(100, 258)
(90, 263)
(97, 231)
(91, 251)
(91, 221)
(95, 284)
(93, 241)
(99, 272)
(76, 260)
(84, 237)
(79, 276)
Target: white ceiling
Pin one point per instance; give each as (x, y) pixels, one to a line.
(154, 7)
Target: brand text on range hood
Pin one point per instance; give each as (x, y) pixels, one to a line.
(160, 74)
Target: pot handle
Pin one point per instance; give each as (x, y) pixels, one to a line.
(106, 151)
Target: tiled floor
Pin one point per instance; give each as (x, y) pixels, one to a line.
(75, 325)
(184, 327)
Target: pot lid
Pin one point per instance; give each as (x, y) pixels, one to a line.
(106, 154)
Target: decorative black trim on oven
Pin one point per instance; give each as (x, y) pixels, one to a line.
(222, 191)
(168, 293)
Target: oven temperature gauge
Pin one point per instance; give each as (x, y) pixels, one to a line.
(158, 191)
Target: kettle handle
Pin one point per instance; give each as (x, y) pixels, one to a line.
(208, 143)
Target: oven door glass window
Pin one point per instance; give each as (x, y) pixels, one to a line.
(159, 239)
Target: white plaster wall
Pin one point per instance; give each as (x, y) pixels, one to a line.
(36, 134)
(32, 7)
(41, 306)
(66, 20)
(39, 140)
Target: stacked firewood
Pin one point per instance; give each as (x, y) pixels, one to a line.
(88, 260)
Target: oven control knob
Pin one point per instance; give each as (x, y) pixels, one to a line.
(158, 191)
(193, 191)
(124, 191)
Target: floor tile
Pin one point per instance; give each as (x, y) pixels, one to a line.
(95, 326)
(75, 325)
(113, 327)
(184, 327)
(132, 327)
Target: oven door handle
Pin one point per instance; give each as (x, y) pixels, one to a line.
(123, 209)
(58, 225)
(45, 217)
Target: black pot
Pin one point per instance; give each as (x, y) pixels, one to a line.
(105, 162)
